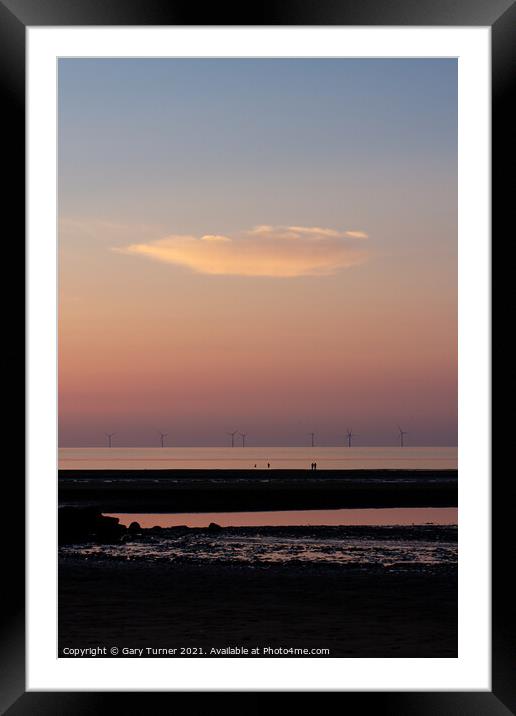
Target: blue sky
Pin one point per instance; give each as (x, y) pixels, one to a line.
(240, 135)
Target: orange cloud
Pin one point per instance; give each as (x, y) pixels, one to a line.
(276, 251)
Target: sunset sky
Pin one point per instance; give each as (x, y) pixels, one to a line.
(261, 245)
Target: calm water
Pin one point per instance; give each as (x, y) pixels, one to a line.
(238, 458)
(368, 538)
(394, 539)
(289, 518)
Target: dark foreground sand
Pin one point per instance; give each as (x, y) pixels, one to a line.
(353, 614)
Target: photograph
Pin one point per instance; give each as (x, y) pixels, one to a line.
(259, 312)
(257, 357)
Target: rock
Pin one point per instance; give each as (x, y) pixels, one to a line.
(107, 530)
(87, 524)
(214, 527)
(177, 531)
(134, 527)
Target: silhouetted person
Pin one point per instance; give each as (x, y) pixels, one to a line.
(268, 465)
(315, 466)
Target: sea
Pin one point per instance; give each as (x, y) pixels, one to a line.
(385, 538)
(248, 458)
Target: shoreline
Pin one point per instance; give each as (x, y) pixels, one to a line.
(351, 611)
(255, 490)
(285, 473)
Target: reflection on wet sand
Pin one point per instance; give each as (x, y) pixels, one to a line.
(385, 516)
(368, 548)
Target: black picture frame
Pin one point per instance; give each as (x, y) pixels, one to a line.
(500, 15)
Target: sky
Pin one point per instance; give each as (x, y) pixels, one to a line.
(262, 245)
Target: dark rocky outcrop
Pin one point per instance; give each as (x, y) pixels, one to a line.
(214, 527)
(87, 524)
(175, 531)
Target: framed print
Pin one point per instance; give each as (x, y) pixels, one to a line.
(258, 366)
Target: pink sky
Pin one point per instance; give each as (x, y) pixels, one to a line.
(266, 247)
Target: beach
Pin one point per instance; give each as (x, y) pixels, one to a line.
(344, 591)
(212, 490)
(352, 613)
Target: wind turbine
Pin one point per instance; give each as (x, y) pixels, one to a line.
(233, 437)
(243, 436)
(162, 436)
(402, 434)
(350, 434)
(109, 436)
(313, 438)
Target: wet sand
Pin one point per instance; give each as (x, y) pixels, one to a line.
(353, 613)
(250, 490)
